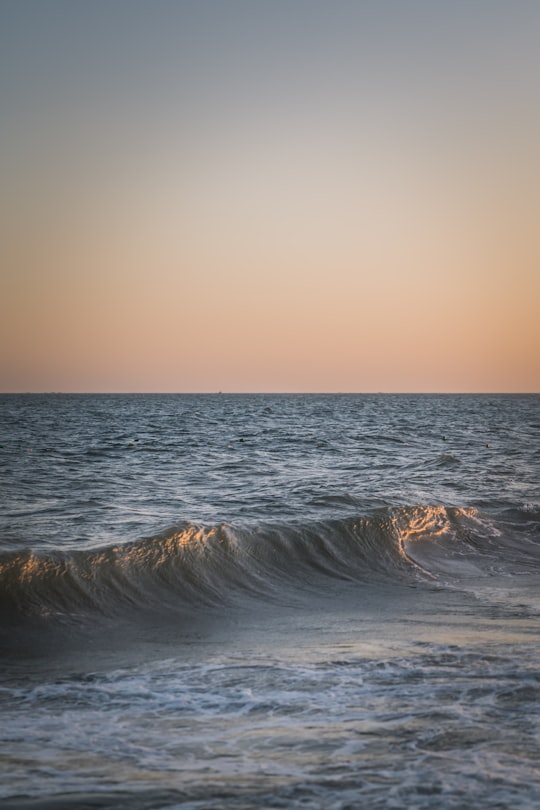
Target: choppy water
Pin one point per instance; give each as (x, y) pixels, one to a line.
(270, 601)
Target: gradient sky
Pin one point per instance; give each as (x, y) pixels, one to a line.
(270, 195)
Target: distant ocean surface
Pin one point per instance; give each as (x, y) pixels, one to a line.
(276, 601)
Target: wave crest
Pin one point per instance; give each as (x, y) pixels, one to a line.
(190, 566)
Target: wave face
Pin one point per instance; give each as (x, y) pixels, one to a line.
(193, 566)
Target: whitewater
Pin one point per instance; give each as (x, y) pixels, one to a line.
(237, 601)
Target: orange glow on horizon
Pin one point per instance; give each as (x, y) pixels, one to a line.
(292, 240)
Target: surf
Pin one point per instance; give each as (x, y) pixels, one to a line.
(192, 567)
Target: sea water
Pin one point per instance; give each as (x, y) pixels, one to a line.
(236, 601)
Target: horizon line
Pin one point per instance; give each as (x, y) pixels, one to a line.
(269, 393)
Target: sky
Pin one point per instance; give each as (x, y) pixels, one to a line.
(270, 195)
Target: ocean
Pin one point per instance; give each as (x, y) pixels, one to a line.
(276, 601)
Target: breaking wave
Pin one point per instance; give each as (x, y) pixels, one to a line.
(191, 566)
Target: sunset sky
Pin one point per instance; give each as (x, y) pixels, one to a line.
(270, 195)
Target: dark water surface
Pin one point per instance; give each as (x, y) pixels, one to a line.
(270, 601)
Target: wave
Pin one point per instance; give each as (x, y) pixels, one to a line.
(444, 460)
(191, 566)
